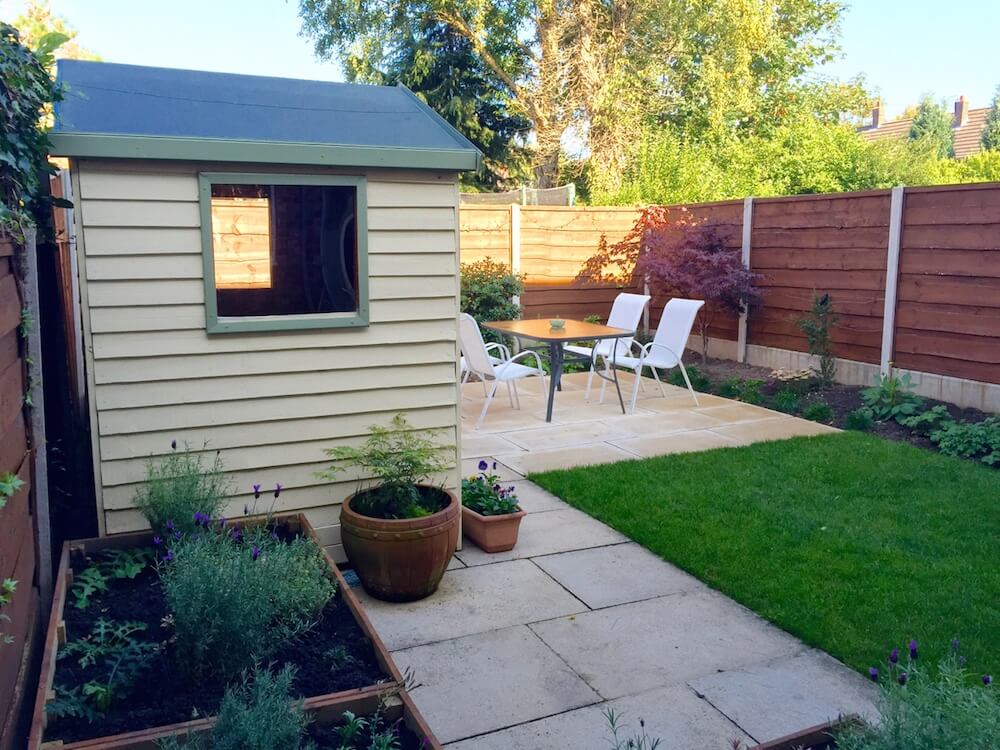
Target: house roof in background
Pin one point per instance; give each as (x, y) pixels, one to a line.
(967, 137)
(132, 111)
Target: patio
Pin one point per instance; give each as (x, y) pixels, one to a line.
(527, 648)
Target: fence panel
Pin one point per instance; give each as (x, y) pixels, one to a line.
(485, 233)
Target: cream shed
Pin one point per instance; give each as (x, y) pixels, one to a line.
(267, 266)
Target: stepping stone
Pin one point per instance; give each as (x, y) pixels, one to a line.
(793, 693)
(472, 600)
(772, 429)
(534, 499)
(484, 682)
(635, 647)
(674, 714)
(622, 573)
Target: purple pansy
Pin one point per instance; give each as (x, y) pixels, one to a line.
(483, 466)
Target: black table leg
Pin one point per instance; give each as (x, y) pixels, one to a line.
(555, 374)
(614, 372)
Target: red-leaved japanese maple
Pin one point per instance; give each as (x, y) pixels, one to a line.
(679, 258)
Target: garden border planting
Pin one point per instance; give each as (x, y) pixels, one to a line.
(325, 709)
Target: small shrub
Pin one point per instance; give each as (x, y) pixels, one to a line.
(399, 460)
(928, 421)
(860, 420)
(699, 381)
(112, 564)
(179, 485)
(786, 400)
(622, 740)
(927, 709)
(236, 598)
(892, 398)
(979, 441)
(487, 293)
(818, 411)
(484, 494)
(257, 714)
(742, 389)
(816, 327)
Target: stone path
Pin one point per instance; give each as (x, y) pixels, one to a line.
(525, 650)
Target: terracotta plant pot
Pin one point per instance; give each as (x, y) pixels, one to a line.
(403, 559)
(492, 533)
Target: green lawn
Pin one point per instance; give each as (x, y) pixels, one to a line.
(853, 543)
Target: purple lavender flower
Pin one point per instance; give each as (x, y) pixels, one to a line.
(873, 674)
(173, 445)
(277, 489)
(902, 678)
(961, 661)
(894, 656)
(954, 645)
(178, 535)
(222, 522)
(157, 541)
(987, 679)
(255, 552)
(913, 648)
(246, 510)
(256, 492)
(170, 524)
(274, 536)
(237, 535)
(169, 557)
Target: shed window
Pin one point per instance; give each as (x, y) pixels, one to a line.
(284, 252)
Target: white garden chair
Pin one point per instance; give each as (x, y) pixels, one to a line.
(626, 312)
(479, 363)
(667, 347)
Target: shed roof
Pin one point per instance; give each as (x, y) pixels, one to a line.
(134, 111)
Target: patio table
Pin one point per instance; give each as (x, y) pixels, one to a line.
(555, 338)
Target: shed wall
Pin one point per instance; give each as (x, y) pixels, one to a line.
(270, 402)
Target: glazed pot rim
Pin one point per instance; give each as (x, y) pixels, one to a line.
(410, 523)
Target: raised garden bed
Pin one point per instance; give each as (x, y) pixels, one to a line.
(820, 737)
(164, 704)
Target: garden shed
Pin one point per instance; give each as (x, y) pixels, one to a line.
(266, 267)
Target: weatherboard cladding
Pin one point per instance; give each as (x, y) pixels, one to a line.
(121, 110)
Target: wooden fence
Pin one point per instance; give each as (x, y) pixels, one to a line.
(936, 249)
(19, 553)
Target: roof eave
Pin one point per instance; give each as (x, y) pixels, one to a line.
(101, 145)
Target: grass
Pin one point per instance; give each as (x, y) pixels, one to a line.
(853, 543)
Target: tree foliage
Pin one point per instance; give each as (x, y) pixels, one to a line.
(38, 20)
(991, 131)
(932, 125)
(606, 70)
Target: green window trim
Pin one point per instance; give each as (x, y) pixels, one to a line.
(216, 324)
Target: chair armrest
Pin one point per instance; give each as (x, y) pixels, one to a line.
(528, 353)
(504, 351)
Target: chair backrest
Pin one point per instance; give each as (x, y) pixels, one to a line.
(474, 347)
(626, 312)
(673, 331)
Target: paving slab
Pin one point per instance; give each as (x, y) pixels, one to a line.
(534, 499)
(663, 422)
(674, 714)
(789, 694)
(492, 680)
(677, 442)
(454, 563)
(485, 445)
(472, 600)
(746, 433)
(470, 467)
(545, 534)
(565, 458)
(683, 400)
(734, 411)
(621, 573)
(634, 647)
(561, 436)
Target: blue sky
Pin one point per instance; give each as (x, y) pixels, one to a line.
(904, 47)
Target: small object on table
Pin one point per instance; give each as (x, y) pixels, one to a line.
(555, 338)
(557, 324)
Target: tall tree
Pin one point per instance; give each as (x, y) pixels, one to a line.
(932, 124)
(991, 131)
(600, 67)
(37, 20)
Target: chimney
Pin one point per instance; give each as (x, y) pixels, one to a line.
(877, 114)
(961, 112)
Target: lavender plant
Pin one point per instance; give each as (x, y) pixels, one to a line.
(177, 486)
(621, 740)
(484, 494)
(926, 709)
(236, 597)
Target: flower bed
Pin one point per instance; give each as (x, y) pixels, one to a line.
(340, 662)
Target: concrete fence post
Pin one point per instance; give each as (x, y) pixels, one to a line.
(741, 336)
(892, 276)
(515, 243)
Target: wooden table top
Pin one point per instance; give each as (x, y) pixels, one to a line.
(540, 330)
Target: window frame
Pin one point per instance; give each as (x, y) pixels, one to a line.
(216, 324)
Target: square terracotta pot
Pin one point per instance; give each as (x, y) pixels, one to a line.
(492, 533)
